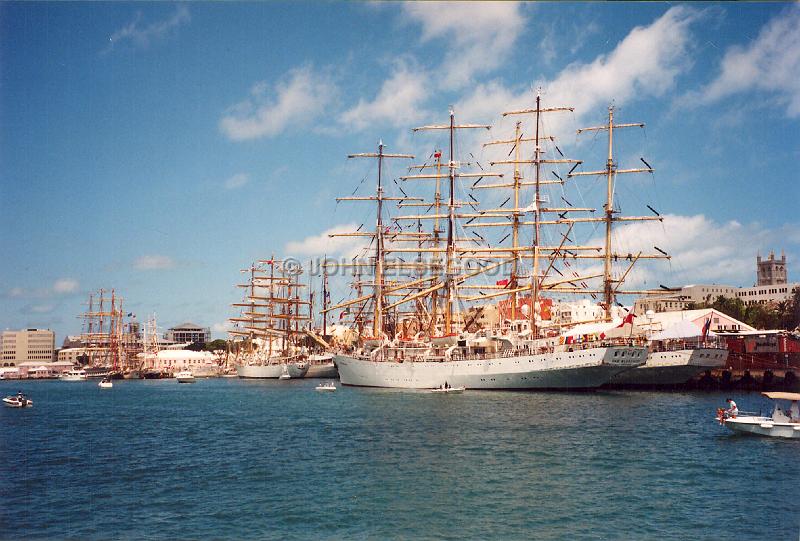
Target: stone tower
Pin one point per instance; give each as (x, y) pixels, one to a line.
(771, 271)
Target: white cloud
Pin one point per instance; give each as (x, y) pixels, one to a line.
(480, 35)
(223, 327)
(42, 308)
(16, 292)
(646, 62)
(154, 262)
(142, 36)
(323, 244)
(236, 181)
(702, 249)
(770, 63)
(397, 102)
(299, 97)
(65, 285)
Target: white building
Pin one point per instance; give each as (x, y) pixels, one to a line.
(36, 345)
(200, 363)
(580, 311)
(772, 288)
(188, 332)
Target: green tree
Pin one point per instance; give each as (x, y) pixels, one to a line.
(216, 345)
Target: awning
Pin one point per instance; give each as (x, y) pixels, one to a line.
(777, 395)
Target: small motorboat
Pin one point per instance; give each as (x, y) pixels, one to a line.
(105, 383)
(18, 401)
(185, 377)
(445, 388)
(782, 423)
(76, 374)
(326, 386)
(285, 374)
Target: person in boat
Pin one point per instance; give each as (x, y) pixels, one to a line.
(21, 398)
(732, 410)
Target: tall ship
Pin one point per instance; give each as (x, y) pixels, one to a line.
(268, 331)
(424, 332)
(109, 342)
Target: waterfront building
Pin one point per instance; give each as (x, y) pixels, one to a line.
(772, 287)
(200, 363)
(39, 370)
(37, 345)
(188, 333)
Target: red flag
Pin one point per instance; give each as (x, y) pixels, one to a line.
(437, 154)
(628, 319)
(706, 328)
(501, 282)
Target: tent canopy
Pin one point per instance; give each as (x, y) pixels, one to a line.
(682, 329)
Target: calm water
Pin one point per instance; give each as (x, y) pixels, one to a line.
(276, 460)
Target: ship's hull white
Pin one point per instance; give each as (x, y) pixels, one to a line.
(582, 369)
(272, 371)
(672, 367)
(326, 370)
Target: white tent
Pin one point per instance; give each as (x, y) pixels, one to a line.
(682, 329)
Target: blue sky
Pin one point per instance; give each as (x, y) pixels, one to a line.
(158, 148)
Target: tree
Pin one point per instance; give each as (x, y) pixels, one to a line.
(216, 345)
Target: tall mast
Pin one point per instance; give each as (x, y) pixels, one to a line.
(608, 295)
(377, 320)
(324, 299)
(515, 220)
(536, 206)
(451, 222)
(611, 171)
(536, 219)
(449, 283)
(377, 290)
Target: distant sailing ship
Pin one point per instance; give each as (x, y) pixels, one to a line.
(431, 345)
(269, 324)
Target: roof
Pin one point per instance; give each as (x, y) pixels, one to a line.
(782, 396)
(682, 329)
(185, 355)
(668, 319)
(188, 326)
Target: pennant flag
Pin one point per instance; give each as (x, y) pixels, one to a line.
(501, 282)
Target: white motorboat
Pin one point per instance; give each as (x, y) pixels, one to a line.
(105, 383)
(18, 401)
(448, 389)
(782, 423)
(326, 387)
(185, 377)
(76, 374)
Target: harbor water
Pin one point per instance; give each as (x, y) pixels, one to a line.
(236, 459)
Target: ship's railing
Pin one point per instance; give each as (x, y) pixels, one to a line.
(414, 354)
(677, 344)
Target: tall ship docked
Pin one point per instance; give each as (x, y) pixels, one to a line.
(268, 329)
(421, 333)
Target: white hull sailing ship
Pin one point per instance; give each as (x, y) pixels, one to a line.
(522, 352)
(270, 323)
(583, 369)
(674, 367)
